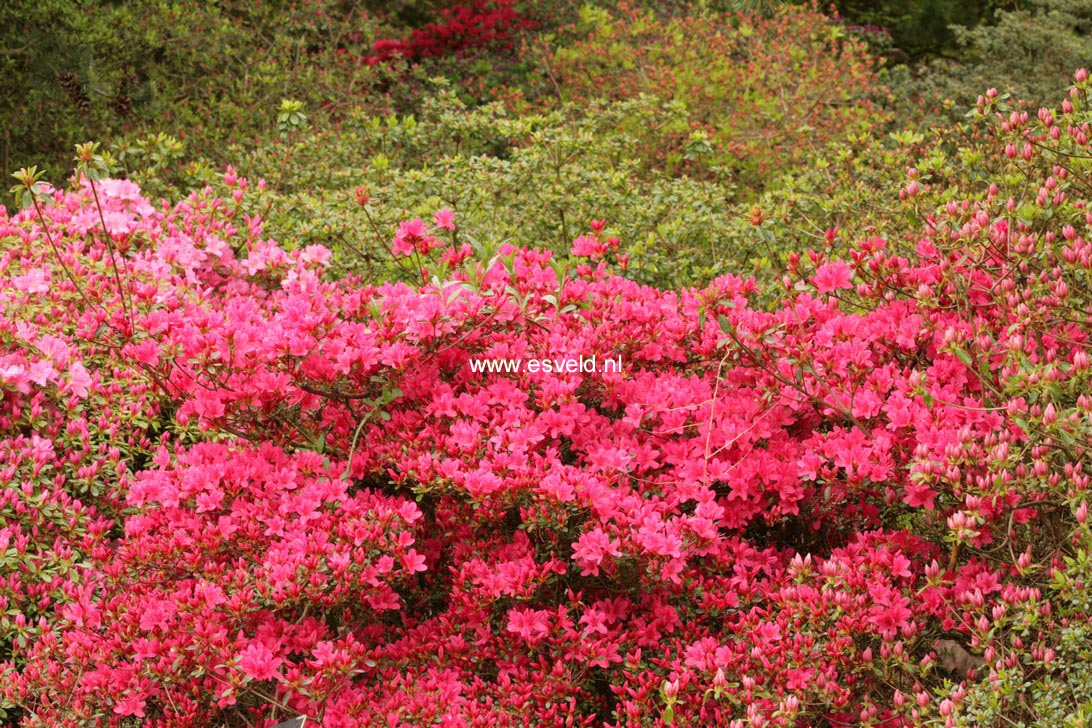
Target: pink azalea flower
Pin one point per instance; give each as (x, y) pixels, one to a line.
(413, 236)
(258, 662)
(34, 281)
(79, 381)
(130, 704)
(588, 247)
(445, 219)
(530, 624)
(832, 276)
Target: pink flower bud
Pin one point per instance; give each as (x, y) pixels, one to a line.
(1049, 415)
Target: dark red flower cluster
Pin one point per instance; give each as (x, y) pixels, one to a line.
(460, 28)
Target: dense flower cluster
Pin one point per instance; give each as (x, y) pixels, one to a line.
(459, 28)
(241, 490)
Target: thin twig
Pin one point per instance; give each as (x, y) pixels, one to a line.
(113, 262)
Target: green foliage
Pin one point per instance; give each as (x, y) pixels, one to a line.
(919, 28)
(755, 88)
(148, 75)
(667, 172)
(1031, 52)
(154, 157)
(528, 179)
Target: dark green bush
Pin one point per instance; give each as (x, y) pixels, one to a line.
(208, 74)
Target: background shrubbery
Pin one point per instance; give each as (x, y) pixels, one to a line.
(206, 74)
(177, 92)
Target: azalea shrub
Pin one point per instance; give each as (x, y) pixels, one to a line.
(458, 29)
(239, 488)
(538, 175)
(654, 166)
(535, 176)
(756, 87)
(672, 175)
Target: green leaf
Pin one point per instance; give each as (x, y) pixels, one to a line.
(1027, 214)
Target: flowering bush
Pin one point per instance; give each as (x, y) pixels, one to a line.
(535, 177)
(458, 28)
(674, 175)
(243, 489)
